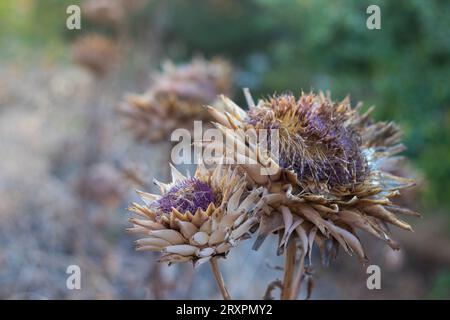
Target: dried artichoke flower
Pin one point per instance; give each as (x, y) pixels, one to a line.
(96, 53)
(176, 98)
(195, 219)
(329, 179)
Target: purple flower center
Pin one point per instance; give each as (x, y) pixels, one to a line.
(322, 147)
(188, 195)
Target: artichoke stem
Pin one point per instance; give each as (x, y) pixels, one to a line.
(219, 279)
(289, 267)
(299, 278)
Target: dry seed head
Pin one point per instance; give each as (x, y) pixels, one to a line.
(196, 218)
(319, 140)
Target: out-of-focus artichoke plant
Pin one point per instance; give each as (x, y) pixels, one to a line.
(95, 52)
(176, 98)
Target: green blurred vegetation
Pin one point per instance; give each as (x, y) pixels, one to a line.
(403, 69)
(441, 287)
(33, 28)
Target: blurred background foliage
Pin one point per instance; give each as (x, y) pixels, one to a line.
(403, 69)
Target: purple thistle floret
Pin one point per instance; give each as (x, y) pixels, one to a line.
(324, 149)
(344, 163)
(188, 195)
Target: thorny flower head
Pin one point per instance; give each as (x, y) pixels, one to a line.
(315, 141)
(195, 219)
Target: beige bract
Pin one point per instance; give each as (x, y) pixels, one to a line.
(329, 180)
(195, 219)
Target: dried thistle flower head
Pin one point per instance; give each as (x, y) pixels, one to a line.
(96, 53)
(176, 98)
(329, 179)
(195, 219)
(317, 142)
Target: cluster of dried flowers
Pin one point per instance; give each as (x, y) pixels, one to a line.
(330, 181)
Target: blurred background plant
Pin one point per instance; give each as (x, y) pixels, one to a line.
(45, 101)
